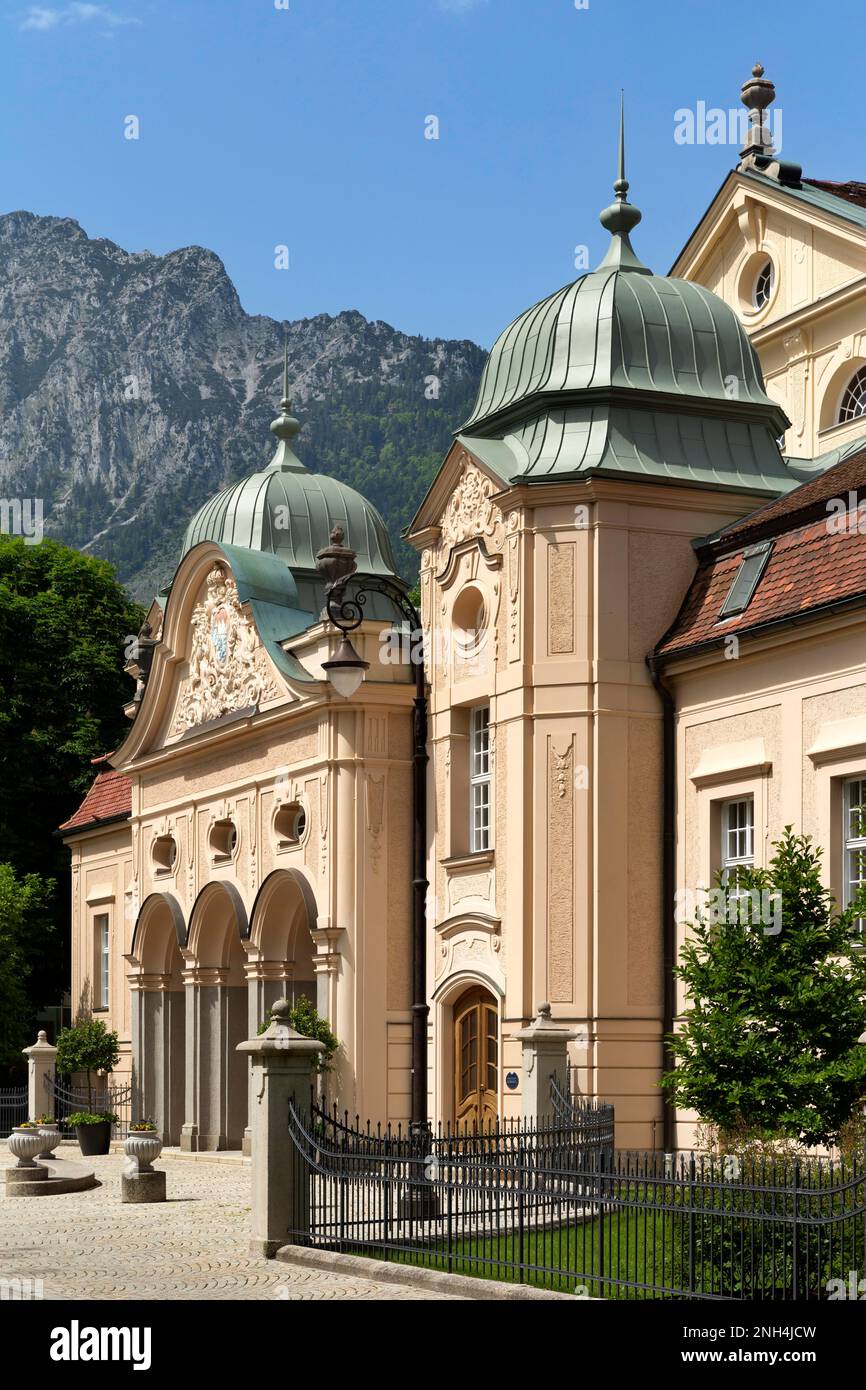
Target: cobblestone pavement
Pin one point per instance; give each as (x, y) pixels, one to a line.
(89, 1245)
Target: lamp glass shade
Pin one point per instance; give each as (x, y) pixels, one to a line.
(346, 669)
(345, 680)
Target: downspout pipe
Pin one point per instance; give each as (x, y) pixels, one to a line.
(420, 1007)
(668, 887)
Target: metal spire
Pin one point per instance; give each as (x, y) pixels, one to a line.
(622, 216)
(286, 427)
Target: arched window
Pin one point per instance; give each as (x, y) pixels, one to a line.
(854, 399)
(763, 285)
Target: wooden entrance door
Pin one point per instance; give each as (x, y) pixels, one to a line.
(476, 1059)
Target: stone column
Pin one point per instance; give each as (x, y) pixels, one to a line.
(216, 1090)
(157, 1054)
(40, 1076)
(545, 1055)
(283, 1064)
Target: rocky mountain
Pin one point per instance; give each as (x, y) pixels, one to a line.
(134, 386)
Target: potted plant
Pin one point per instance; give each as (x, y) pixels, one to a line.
(25, 1141)
(51, 1135)
(143, 1144)
(87, 1046)
(93, 1132)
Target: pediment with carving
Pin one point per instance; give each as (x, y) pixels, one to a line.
(470, 512)
(228, 667)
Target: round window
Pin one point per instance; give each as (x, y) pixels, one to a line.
(290, 822)
(223, 839)
(164, 854)
(763, 285)
(469, 619)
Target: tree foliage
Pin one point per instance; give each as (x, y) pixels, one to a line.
(23, 904)
(87, 1046)
(64, 621)
(775, 1008)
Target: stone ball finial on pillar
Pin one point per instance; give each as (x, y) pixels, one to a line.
(545, 1055)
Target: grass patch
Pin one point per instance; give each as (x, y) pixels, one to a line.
(626, 1255)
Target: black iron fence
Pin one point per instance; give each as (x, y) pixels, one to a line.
(534, 1204)
(114, 1100)
(13, 1108)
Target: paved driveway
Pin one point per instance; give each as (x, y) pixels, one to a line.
(89, 1245)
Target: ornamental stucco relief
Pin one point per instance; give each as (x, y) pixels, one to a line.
(471, 946)
(470, 512)
(228, 667)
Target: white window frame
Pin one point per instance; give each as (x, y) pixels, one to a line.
(102, 943)
(853, 844)
(737, 852)
(479, 779)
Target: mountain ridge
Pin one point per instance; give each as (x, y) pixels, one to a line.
(133, 386)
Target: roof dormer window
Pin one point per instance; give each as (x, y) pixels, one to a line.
(745, 583)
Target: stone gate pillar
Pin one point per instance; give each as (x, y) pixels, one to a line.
(545, 1055)
(40, 1076)
(267, 981)
(283, 1063)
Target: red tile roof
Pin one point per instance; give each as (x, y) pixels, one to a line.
(851, 191)
(811, 497)
(818, 559)
(109, 798)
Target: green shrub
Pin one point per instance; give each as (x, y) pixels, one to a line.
(306, 1020)
(770, 1041)
(84, 1117)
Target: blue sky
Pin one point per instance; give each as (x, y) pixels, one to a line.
(263, 126)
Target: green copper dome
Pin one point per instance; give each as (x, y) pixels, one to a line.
(626, 329)
(630, 373)
(289, 512)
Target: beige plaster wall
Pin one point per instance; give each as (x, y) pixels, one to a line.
(798, 704)
(578, 585)
(810, 336)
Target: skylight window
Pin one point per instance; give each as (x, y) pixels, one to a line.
(746, 579)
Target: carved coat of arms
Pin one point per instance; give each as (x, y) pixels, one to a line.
(228, 667)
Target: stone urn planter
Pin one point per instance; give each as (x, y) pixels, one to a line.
(25, 1144)
(51, 1136)
(145, 1146)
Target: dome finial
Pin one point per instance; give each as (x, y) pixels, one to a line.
(286, 427)
(621, 216)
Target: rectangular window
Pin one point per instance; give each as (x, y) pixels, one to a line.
(854, 840)
(101, 948)
(738, 839)
(479, 779)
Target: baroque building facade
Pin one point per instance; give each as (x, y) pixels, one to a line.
(593, 747)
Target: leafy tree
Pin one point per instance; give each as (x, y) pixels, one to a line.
(87, 1046)
(770, 1043)
(64, 620)
(22, 903)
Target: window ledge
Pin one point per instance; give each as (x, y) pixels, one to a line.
(466, 861)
